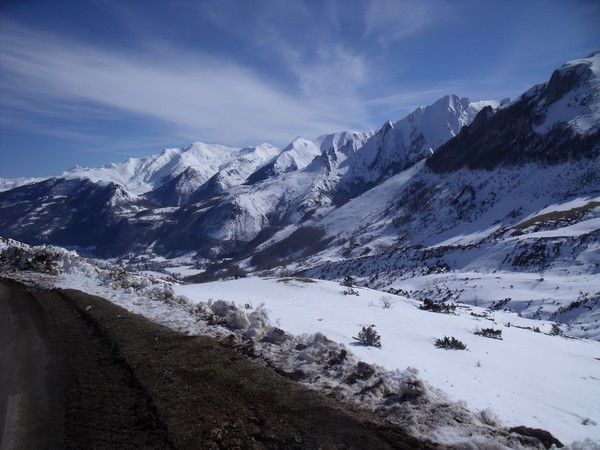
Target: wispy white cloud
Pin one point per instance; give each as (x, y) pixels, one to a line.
(390, 20)
(29, 124)
(202, 97)
(308, 41)
(331, 71)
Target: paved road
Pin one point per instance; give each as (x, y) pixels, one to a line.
(30, 405)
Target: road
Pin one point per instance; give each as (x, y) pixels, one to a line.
(79, 372)
(30, 404)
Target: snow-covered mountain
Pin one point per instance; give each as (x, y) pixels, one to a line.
(142, 175)
(297, 155)
(178, 188)
(226, 197)
(551, 123)
(396, 146)
(6, 184)
(456, 186)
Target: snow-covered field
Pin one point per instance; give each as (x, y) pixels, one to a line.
(534, 295)
(454, 397)
(527, 378)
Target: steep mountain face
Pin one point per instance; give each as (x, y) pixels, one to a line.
(397, 146)
(551, 123)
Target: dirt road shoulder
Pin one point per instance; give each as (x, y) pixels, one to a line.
(132, 383)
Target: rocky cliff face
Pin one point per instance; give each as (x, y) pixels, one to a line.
(549, 124)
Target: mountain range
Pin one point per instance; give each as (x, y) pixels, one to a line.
(511, 185)
(215, 199)
(476, 223)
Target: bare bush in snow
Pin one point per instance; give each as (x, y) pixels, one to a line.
(369, 337)
(350, 291)
(438, 307)
(348, 281)
(386, 302)
(450, 343)
(489, 333)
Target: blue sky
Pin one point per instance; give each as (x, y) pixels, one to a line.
(90, 82)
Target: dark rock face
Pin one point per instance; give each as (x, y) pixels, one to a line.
(511, 141)
(489, 141)
(536, 436)
(72, 213)
(508, 136)
(566, 79)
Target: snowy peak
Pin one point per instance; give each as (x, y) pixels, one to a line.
(173, 176)
(6, 184)
(300, 153)
(397, 146)
(297, 155)
(571, 76)
(202, 181)
(443, 119)
(348, 139)
(236, 171)
(140, 175)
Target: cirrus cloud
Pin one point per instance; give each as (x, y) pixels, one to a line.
(196, 94)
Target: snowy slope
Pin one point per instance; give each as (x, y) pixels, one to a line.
(504, 376)
(297, 155)
(436, 234)
(6, 184)
(230, 174)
